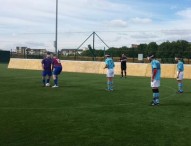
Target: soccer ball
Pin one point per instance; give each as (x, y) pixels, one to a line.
(47, 84)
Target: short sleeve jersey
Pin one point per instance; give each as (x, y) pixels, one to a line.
(155, 64)
(110, 64)
(56, 62)
(180, 66)
(47, 62)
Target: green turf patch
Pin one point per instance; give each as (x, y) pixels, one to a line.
(81, 113)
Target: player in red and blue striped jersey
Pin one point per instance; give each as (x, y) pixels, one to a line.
(57, 69)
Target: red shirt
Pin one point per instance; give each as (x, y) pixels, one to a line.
(56, 62)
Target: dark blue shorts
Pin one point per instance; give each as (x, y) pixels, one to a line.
(57, 70)
(45, 73)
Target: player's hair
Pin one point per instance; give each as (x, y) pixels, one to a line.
(151, 56)
(54, 54)
(178, 57)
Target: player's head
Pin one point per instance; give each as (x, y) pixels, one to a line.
(54, 55)
(48, 54)
(177, 58)
(151, 57)
(107, 55)
(123, 55)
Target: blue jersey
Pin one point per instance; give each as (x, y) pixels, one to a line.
(180, 66)
(110, 64)
(47, 62)
(155, 64)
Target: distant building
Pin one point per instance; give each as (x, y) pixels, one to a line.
(21, 50)
(134, 46)
(29, 51)
(67, 52)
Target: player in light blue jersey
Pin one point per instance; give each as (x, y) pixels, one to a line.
(109, 64)
(155, 79)
(180, 74)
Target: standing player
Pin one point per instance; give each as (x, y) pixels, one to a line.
(123, 61)
(46, 66)
(180, 74)
(109, 64)
(57, 69)
(155, 79)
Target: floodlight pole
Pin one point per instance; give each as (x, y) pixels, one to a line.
(93, 40)
(56, 34)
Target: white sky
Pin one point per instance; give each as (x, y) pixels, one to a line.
(119, 23)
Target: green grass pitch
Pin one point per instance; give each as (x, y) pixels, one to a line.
(81, 113)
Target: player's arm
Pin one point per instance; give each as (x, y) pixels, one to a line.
(106, 66)
(52, 65)
(178, 74)
(42, 63)
(125, 59)
(179, 68)
(154, 73)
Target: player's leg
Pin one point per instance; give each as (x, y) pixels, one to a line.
(56, 72)
(121, 71)
(110, 75)
(180, 82)
(44, 78)
(155, 100)
(48, 78)
(180, 86)
(125, 71)
(155, 89)
(55, 78)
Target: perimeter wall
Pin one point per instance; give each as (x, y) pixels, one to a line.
(133, 69)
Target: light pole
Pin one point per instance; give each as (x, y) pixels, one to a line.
(56, 34)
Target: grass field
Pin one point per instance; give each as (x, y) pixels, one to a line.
(81, 113)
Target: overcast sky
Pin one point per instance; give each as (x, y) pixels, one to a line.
(31, 23)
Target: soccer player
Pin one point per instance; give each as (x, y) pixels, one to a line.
(46, 66)
(109, 64)
(57, 69)
(123, 61)
(155, 79)
(180, 74)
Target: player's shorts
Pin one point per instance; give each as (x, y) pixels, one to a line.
(181, 75)
(123, 67)
(45, 73)
(57, 70)
(110, 73)
(155, 84)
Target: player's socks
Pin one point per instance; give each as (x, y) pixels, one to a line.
(180, 85)
(157, 98)
(48, 80)
(56, 81)
(111, 85)
(108, 85)
(154, 98)
(43, 81)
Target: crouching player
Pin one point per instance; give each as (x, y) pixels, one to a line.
(109, 64)
(57, 69)
(155, 79)
(46, 66)
(180, 74)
